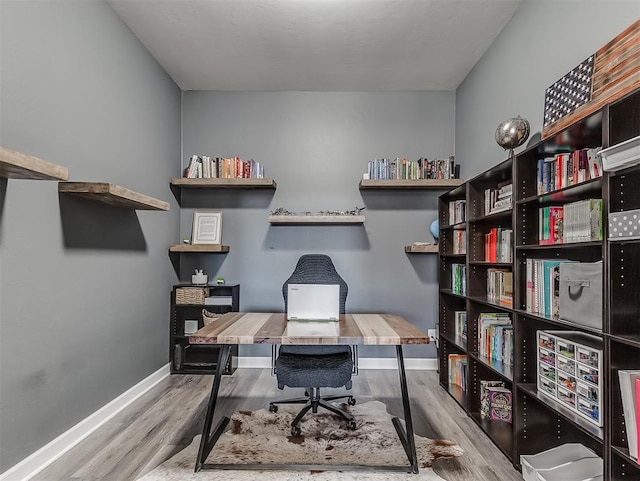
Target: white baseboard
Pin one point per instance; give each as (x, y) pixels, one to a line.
(47, 454)
(410, 364)
(44, 456)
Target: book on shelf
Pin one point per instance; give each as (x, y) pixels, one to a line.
(500, 402)
(628, 380)
(498, 244)
(500, 287)
(499, 199)
(485, 404)
(460, 324)
(457, 211)
(206, 167)
(459, 279)
(567, 169)
(404, 169)
(495, 337)
(579, 221)
(542, 291)
(459, 241)
(458, 370)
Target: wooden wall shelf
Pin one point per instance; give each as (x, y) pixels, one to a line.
(16, 165)
(224, 183)
(206, 248)
(415, 184)
(113, 195)
(316, 219)
(422, 249)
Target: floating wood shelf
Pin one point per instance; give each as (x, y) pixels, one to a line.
(315, 219)
(113, 195)
(422, 249)
(224, 183)
(415, 184)
(210, 248)
(16, 165)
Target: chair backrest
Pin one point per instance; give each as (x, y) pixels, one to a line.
(316, 269)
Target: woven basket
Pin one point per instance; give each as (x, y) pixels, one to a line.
(209, 317)
(191, 295)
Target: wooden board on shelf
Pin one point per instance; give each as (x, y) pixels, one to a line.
(216, 183)
(16, 165)
(113, 195)
(199, 248)
(415, 184)
(422, 249)
(315, 219)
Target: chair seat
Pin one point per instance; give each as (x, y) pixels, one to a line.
(295, 370)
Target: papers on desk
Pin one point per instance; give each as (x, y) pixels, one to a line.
(312, 329)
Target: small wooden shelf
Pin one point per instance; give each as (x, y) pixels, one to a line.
(422, 249)
(415, 184)
(315, 219)
(113, 195)
(16, 165)
(210, 248)
(216, 183)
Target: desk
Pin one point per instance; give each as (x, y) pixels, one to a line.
(269, 328)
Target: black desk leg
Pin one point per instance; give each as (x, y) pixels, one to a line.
(209, 440)
(406, 437)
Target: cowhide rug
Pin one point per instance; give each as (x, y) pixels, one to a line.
(264, 437)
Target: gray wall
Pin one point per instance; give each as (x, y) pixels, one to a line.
(316, 146)
(84, 291)
(543, 41)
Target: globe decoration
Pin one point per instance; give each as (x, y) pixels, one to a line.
(512, 133)
(435, 230)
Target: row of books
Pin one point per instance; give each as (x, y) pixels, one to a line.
(498, 245)
(630, 393)
(495, 401)
(499, 199)
(542, 294)
(458, 370)
(457, 211)
(459, 279)
(564, 170)
(579, 221)
(460, 325)
(459, 241)
(500, 287)
(205, 167)
(403, 169)
(495, 337)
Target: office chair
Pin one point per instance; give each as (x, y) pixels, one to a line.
(315, 367)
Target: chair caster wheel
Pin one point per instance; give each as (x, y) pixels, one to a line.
(351, 401)
(351, 425)
(273, 408)
(295, 431)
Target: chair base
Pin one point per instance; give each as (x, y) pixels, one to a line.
(313, 402)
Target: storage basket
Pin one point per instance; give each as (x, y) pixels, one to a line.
(209, 317)
(191, 295)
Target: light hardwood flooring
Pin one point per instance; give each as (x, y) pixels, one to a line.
(165, 420)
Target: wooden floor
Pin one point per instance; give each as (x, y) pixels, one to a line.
(165, 420)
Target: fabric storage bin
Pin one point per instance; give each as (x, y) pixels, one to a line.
(624, 225)
(553, 458)
(581, 293)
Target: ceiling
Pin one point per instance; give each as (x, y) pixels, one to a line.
(316, 45)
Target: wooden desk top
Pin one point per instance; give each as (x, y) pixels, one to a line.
(273, 328)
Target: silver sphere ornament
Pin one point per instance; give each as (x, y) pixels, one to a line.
(512, 133)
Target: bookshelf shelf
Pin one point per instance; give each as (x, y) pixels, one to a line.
(316, 219)
(200, 248)
(551, 420)
(501, 369)
(218, 183)
(16, 165)
(113, 195)
(422, 249)
(416, 184)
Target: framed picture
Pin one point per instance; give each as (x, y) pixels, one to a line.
(207, 227)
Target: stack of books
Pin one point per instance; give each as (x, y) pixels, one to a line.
(458, 370)
(542, 295)
(498, 245)
(495, 337)
(579, 221)
(460, 325)
(567, 169)
(500, 287)
(459, 279)
(457, 211)
(499, 199)
(205, 167)
(459, 241)
(403, 169)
